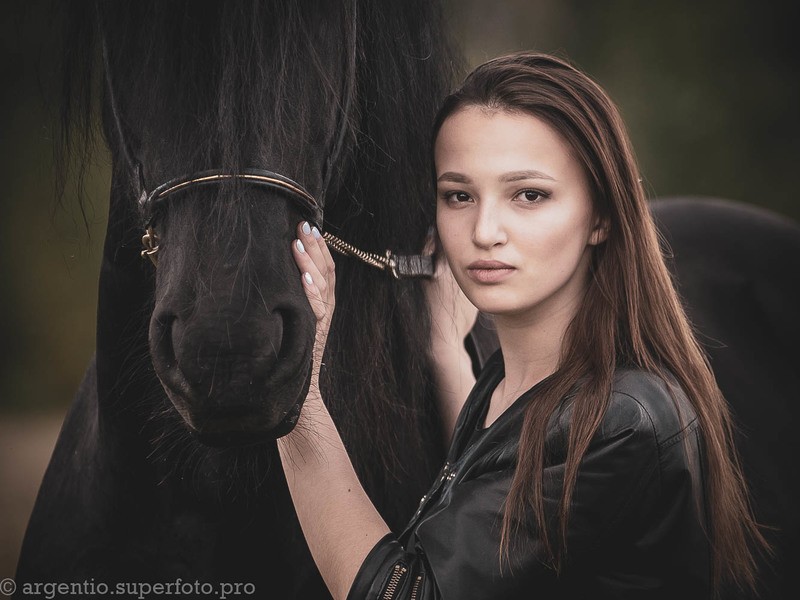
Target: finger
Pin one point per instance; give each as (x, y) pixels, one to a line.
(325, 251)
(318, 288)
(306, 264)
(442, 268)
(314, 295)
(317, 249)
(306, 236)
(430, 242)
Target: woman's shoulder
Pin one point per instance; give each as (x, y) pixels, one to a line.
(649, 403)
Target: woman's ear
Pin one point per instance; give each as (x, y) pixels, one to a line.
(599, 233)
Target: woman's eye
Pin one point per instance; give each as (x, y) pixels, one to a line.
(531, 196)
(457, 197)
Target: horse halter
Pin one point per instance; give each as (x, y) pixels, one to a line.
(149, 203)
(400, 266)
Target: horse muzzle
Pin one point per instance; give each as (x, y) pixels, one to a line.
(234, 381)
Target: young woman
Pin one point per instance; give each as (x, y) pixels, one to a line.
(593, 458)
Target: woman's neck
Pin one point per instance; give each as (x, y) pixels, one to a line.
(531, 346)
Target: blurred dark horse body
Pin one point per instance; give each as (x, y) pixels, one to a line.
(130, 495)
(737, 268)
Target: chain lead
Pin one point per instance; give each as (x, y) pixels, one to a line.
(385, 262)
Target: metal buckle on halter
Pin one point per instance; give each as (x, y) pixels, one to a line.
(150, 243)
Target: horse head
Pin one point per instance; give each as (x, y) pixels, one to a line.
(228, 124)
(226, 141)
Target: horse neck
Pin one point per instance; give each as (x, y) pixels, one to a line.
(378, 380)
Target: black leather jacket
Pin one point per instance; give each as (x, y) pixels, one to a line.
(636, 528)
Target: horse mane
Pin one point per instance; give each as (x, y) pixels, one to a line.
(227, 100)
(388, 201)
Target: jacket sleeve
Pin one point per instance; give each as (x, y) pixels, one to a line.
(389, 572)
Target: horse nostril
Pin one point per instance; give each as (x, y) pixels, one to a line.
(163, 326)
(266, 341)
(161, 339)
(221, 357)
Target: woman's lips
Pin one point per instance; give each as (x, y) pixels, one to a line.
(489, 271)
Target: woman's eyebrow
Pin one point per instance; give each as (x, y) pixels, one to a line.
(520, 175)
(454, 177)
(509, 177)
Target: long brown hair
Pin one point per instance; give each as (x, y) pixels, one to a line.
(631, 314)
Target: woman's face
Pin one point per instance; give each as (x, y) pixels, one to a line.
(514, 213)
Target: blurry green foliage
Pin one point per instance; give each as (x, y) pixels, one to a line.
(49, 255)
(710, 91)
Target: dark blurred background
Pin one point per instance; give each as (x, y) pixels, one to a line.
(710, 92)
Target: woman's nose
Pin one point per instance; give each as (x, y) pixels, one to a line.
(489, 229)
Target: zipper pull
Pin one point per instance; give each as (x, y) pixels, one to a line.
(398, 572)
(448, 473)
(445, 471)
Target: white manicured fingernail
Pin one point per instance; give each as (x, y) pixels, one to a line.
(307, 279)
(300, 248)
(315, 232)
(306, 227)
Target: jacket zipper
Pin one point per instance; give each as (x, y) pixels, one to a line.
(415, 587)
(445, 475)
(394, 581)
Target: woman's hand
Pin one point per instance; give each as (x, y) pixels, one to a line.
(452, 317)
(319, 282)
(452, 314)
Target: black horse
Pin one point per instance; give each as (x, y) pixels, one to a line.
(738, 270)
(165, 467)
